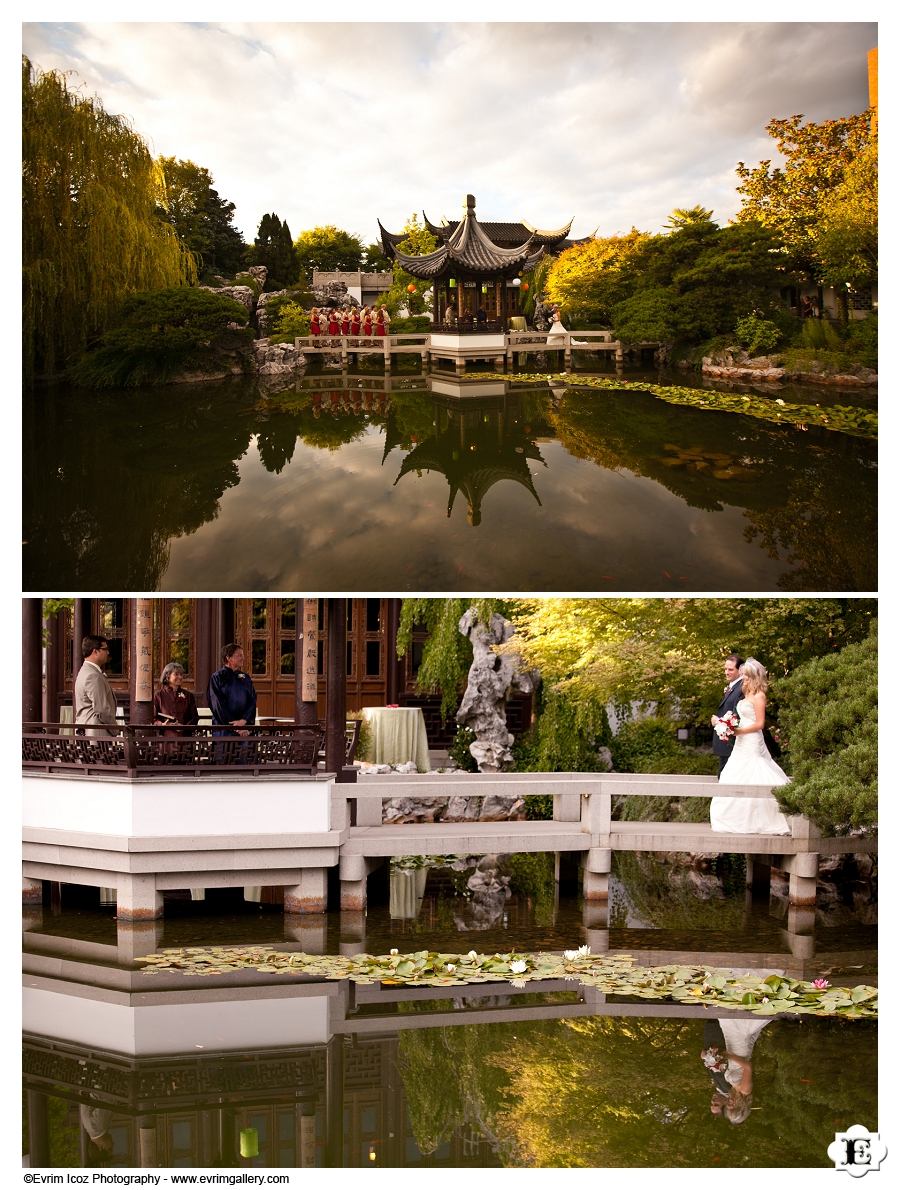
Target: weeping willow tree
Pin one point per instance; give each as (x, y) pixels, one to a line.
(92, 231)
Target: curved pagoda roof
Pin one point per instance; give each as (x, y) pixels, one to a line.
(467, 251)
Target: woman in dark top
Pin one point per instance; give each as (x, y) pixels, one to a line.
(172, 704)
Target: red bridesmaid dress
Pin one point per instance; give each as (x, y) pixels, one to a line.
(345, 325)
(379, 324)
(334, 327)
(367, 325)
(314, 325)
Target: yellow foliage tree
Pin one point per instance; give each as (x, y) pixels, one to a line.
(587, 280)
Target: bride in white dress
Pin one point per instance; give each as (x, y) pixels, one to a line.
(750, 763)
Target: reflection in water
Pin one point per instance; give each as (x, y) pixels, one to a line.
(286, 1075)
(357, 487)
(337, 1074)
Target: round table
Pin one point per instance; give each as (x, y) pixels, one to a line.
(397, 735)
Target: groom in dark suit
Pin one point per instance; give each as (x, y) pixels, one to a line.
(733, 693)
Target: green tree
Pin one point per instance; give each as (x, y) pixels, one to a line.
(90, 228)
(328, 249)
(162, 333)
(374, 260)
(274, 247)
(417, 241)
(790, 199)
(696, 282)
(688, 216)
(587, 280)
(846, 240)
(669, 651)
(829, 712)
(202, 219)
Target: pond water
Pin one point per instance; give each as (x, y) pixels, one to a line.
(172, 1069)
(358, 484)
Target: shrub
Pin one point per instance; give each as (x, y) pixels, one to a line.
(161, 333)
(649, 746)
(818, 333)
(862, 340)
(364, 742)
(248, 280)
(289, 321)
(756, 334)
(828, 709)
(566, 736)
(408, 326)
(459, 750)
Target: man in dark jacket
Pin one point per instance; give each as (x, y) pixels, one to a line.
(734, 691)
(231, 696)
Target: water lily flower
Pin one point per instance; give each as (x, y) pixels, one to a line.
(821, 984)
(473, 955)
(518, 966)
(583, 950)
(570, 954)
(451, 967)
(394, 950)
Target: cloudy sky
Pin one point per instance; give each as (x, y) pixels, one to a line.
(614, 124)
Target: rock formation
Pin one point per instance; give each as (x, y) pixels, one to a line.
(492, 676)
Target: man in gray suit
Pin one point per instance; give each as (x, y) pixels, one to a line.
(94, 698)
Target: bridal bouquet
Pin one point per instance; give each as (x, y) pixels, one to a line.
(726, 725)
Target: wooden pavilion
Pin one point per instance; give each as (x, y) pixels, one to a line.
(292, 646)
(478, 265)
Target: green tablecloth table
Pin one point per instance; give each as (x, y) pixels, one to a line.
(398, 735)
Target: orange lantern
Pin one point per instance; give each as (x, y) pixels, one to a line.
(410, 288)
(524, 284)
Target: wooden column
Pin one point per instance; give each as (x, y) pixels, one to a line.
(306, 668)
(392, 663)
(207, 646)
(81, 627)
(54, 627)
(335, 685)
(32, 703)
(141, 683)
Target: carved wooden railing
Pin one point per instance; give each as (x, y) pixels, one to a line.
(147, 750)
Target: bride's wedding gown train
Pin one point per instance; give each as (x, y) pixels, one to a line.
(749, 764)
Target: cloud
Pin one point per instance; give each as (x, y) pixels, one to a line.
(325, 123)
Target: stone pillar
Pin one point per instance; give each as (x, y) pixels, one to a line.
(310, 895)
(597, 866)
(353, 873)
(137, 898)
(336, 686)
(310, 930)
(137, 938)
(758, 878)
(32, 684)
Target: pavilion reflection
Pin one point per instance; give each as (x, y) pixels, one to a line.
(110, 484)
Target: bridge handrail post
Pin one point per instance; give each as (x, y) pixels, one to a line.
(596, 815)
(803, 828)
